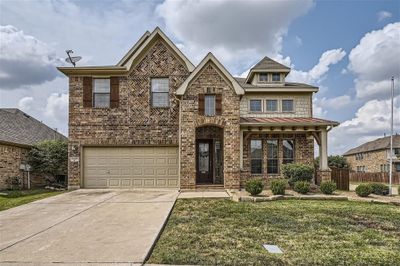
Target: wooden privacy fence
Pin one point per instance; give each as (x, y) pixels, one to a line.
(375, 177)
(341, 177)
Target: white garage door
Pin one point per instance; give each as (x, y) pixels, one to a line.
(130, 167)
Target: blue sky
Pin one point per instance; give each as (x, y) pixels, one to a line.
(347, 48)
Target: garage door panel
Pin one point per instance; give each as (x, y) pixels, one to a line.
(130, 167)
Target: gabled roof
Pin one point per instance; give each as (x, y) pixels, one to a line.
(210, 58)
(378, 144)
(144, 43)
(17, 127)
(125, 64)
(267, 65)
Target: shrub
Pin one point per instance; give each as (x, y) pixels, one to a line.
(302, 187)
(278, 186)
(255, 186)
(297, 172)
(363, 190)
(328, 187)
(380, 189)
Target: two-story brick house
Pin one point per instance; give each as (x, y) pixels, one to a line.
(156, 120)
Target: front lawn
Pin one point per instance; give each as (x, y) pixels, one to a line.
(10, 199)
(222, 232)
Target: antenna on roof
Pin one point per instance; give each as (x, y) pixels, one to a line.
(72, 59)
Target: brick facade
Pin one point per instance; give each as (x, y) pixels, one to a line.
(134, 121)
(303, 153)
(210, 80)
(11, 158)
(371, 161)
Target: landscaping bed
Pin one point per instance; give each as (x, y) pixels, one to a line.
(223, 232)
(14, 198)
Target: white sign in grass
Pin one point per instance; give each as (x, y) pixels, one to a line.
(273, 249)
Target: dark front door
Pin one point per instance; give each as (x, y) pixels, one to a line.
(204, 167)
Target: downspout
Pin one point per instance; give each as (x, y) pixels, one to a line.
(179, 139)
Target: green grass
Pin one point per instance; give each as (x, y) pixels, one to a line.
(222, 232)
(18, 197)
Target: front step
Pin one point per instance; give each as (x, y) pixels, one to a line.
(207, 187)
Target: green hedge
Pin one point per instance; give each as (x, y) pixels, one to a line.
(254, 186)
(278, 186)
(297, 172)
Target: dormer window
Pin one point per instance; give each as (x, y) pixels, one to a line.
(276, 77)
(263, 77)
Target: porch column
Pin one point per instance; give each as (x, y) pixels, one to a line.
(323, 151)
(241, 149)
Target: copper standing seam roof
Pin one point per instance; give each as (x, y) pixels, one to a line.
(287, 121)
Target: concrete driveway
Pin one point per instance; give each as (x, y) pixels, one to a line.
(99, 227)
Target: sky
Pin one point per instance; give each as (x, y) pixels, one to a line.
(349, 49)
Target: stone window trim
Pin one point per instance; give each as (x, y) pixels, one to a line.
(256, 99)
(168, 105)
(288, 99)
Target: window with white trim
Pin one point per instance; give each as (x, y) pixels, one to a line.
(263, 77)
(101, 93)
(160, 92)
(256, 105)
(276, 77)
(209, 105)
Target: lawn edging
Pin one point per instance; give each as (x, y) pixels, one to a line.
(240, 198)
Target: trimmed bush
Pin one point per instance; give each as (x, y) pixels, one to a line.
(328, 187)
(297, 172)
(380, 189)
(255, 186)
(302, 187)
(278, 186)
(364, 190)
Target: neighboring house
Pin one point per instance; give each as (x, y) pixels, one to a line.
(373, 156)
(156, 120)
(18, 132)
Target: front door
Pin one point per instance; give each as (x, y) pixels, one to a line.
(204, 167)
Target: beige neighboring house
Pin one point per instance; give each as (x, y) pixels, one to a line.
(373, 156)
(18, 132)
(156, 120)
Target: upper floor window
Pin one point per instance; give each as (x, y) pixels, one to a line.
(398, 167)
(255, 105)
(256, 156)
(288, 151)
(160, 92)
(276, 77)
(272, 105)
(209, 105)
(263, 77)
(287, 106)
(101, 93)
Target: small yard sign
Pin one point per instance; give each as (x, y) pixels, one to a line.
(273, 249)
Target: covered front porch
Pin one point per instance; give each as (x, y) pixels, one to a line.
(267, 143)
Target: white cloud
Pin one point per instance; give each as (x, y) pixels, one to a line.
(57, 107)
(24, 60)
(382, 15)
(372, 120)
(25, 104)
(335, 103)
(374, 60)
(328, 58)
(237, 32)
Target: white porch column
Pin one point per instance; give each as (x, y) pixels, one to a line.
(323, 151)
(241, 149)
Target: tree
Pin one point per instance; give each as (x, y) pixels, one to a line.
(49, 158)
(334, 161)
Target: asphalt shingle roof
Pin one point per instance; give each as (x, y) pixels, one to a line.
(20, 128)
(378, 144)
(287, 120)
(268, 63)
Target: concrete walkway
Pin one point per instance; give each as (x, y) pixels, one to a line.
(203, 194)
(100, 227)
